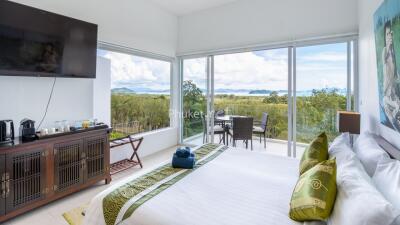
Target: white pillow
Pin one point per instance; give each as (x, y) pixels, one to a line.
(358, 202)
(387, 180)
(341, 150)
(369, 152)
(343, 138)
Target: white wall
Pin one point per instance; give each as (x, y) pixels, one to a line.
(136, 24)
(26, 97)
(253, 22)
(369, 101)
(101, 91)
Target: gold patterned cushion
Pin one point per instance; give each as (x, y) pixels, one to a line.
(315, 153)
(315, 193)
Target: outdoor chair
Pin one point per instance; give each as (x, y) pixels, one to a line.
(217, 114)
(220, 112)
(217, 130)
(242, 130)
(261, 128)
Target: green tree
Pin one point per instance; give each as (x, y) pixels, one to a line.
(194, 105)
(274, 98)
(192, 94)
(133, 113)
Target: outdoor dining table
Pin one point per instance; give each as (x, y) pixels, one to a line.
(226, 120)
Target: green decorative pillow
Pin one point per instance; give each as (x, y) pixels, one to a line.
(315, 193)
(315, 153)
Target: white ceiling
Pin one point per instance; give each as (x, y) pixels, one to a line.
(182, 7)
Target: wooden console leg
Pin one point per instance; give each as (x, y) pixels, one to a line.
(107, 180)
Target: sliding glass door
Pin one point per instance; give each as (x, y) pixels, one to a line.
(322, 79)
(194, 100)
(253, 83)
(300, 87)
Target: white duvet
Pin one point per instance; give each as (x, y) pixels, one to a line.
(239, 187)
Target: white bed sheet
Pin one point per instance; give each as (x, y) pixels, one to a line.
(239, 187)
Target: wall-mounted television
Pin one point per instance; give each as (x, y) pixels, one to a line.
(34, 42)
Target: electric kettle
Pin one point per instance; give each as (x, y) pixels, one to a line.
(27, 130)
(6, 131)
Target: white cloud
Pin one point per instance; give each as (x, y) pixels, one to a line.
(195, 70)
(242, 71)
(269, 70)
(251, 71)
(333, 57)
(138, 72)
(316, 75)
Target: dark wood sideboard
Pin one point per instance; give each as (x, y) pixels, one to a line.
(36, 173)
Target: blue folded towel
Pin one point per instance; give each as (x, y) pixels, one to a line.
(185, 163)
(183, 152)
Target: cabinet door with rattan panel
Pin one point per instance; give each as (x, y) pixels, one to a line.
(2, 185)
(27, 178)
(68, 165)
(96, 154)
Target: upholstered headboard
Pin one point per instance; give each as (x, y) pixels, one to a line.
(388, 147)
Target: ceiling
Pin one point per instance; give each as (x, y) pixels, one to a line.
(182, 7)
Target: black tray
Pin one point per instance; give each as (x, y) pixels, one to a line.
(73, 131)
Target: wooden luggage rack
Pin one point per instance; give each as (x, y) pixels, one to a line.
(126, 163)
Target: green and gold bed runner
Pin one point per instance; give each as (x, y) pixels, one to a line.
(121, 203)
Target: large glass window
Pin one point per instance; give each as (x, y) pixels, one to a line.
(321, 90)
(140, 93)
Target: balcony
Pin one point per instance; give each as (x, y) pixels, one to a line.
(274, 146)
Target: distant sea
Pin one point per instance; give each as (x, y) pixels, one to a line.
(302, 93)
(280, 93)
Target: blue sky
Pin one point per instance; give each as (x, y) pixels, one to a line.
(322, 66)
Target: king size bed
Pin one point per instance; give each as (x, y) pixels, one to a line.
(227, 186)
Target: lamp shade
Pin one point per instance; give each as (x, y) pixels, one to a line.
(348, 122)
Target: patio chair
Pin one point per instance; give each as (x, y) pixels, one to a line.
(217, 130)
(217, 114)
(261, 129)
(220, 112)
(242, 130)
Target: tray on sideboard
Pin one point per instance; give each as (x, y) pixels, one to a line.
(74, 131)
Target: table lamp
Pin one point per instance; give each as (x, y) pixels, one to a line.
(348, 122)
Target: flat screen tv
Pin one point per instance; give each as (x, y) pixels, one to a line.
(34, 42)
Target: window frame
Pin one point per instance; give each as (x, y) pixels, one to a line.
(149, 55)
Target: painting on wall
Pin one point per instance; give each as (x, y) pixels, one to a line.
(387, 40)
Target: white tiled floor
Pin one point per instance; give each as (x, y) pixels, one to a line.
(51, 214)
